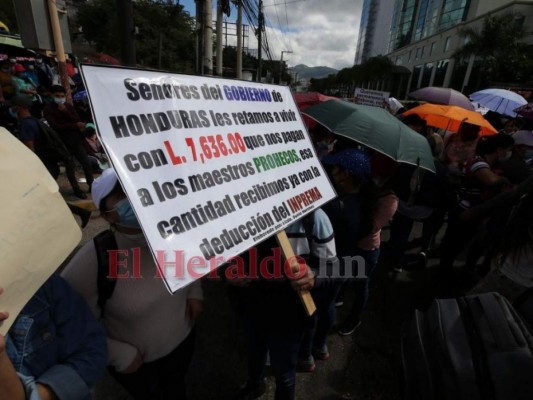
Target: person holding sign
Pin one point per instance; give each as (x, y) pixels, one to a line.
(55, 349)
(272, 315)
(150, 332)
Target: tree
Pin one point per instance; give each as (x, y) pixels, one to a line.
(347, 79)
(157, 22)
(7, 15)
(498, 48)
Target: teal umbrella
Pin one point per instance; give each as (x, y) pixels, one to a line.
(376, 128)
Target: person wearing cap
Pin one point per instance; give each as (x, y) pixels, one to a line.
(352, 215)
(30, 134)
(94, 149)
(64, 119)
(23, 86)
(150, 331)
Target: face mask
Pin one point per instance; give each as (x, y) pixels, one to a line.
(528, 154)
(505, 157)
(60, 100)
(126, 215)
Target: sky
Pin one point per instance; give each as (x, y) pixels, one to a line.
(318, 32)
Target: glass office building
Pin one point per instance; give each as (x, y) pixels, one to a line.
(414, 20)
(374, 30)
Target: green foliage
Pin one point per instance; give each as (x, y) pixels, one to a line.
(7, 15)
(373, 69)
(156, 21)
(498, 48)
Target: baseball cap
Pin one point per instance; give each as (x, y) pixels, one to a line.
(355, 161)
(103, 185)
(523, 137)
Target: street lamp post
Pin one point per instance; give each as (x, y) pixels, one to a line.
(281, 64)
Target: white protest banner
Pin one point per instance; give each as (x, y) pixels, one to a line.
(211, 166)
(371, 97)
(37, 230)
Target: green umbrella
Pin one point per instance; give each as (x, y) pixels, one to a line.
(376, 128)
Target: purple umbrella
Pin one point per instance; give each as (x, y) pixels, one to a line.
(525, 111)
(445, 96)
(499, 100)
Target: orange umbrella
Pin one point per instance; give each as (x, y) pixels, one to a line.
(451, 117)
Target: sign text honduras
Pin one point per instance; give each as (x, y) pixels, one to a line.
(211, 166)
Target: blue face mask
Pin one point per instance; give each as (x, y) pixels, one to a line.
(126, 215)
(60, 100)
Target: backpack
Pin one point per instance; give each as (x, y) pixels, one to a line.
(103, 243)
(52, 147)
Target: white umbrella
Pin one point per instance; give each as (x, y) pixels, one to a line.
(499, 100)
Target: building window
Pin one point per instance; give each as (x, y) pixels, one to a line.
(426, 76)
(447, 43)
(432, 49)
(423, 52)
(440, 72)
(453, 13)
(416, 74)
(410, 56)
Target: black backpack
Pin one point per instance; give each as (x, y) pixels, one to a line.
(103, 243)
(51, 146)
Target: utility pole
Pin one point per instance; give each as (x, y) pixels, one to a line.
(260, 41)
(239, 40)
(208, 37)
(199, 37)
(60, 50)
(281, 64)
(160, 50)
(125, 21)
(220, 17)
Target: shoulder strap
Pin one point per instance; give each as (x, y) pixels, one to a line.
(308, 223)
(103, 242)
(52, 141)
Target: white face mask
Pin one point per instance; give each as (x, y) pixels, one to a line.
(60, 100)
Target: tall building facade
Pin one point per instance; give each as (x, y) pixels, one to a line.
(373, 30)
(424, 35)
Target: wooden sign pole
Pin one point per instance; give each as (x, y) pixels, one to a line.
(289, 255)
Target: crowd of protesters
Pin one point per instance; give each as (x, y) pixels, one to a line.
(480, 197)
